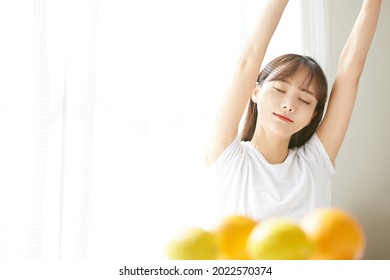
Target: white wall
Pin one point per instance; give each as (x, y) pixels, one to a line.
(362, 184)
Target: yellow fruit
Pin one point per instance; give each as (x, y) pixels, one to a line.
(337, 235)
(192, 244)
(279, 239)
(231, 234)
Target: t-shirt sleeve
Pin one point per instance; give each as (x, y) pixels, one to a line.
(233, 150)
(316, 150)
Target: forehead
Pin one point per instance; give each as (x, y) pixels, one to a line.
(302, 78)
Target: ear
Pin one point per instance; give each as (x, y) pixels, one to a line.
(255, 92)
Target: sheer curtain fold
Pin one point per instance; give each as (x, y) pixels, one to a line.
(78, 114)
(105, 107)
(40, 126)
(46, 131)
(315, 31)
(16, 131)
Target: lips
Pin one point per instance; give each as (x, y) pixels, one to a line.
(283, 118)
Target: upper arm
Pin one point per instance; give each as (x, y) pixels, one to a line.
(335, 124)
(351, 63)
(244, 79)
(231, 109)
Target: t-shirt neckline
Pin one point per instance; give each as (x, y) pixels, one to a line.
(262, 158)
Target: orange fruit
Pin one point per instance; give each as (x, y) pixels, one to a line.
(192, 244)
(231, 235)
(279, 239)
(336, 233)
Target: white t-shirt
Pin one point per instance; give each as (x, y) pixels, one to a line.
(248, 184)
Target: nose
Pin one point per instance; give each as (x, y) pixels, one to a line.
(287, 105)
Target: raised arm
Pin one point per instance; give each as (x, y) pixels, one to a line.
(244, 79)
(351, 63)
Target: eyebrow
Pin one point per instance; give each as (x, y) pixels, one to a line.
(302, 89)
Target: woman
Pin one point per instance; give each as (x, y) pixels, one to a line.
(284, 160)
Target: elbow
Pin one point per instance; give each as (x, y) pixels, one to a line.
(351, 64)
(252, 56)
(350, 71)
(348, 77)
(249, 63)
(244, 61)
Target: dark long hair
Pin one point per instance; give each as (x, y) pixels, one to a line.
(284, 67)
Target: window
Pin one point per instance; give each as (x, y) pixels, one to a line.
(105, 108)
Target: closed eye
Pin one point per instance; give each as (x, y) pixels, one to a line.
(278, 89)
(304, 101)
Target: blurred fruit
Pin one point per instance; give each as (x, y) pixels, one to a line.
(279, 239)
(192, 244)
(335, 232)
(231, 234)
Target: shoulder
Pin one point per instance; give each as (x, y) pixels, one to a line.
(314, 152)
(231, 154)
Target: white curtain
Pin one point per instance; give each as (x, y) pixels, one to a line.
(47, 89)
(105, 106)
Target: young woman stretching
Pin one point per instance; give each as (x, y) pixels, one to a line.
(282, 162)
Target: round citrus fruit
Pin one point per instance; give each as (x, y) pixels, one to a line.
(336, 233)
(279, 239)
(231, 234)
(192, 244)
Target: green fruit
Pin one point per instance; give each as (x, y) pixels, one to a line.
(279, 239)
(192, 244)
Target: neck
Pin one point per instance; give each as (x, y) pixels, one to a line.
(274, 149)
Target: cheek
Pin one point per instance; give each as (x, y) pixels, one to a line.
(263, 103)
(310, 116)
(261, 111)
(266, 99)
